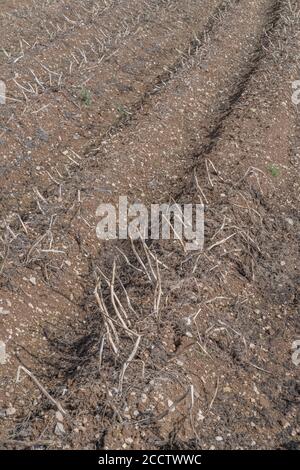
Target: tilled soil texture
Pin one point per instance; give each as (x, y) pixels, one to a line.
(144, 345)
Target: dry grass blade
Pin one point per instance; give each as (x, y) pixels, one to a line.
(128, 361)
(110, 329)
(40, 386)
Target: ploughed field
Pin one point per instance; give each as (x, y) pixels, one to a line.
(144, 345)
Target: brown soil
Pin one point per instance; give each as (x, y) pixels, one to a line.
(158, 101)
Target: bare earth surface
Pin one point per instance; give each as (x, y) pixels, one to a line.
(120, 345)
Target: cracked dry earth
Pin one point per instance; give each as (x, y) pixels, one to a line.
(120, 345)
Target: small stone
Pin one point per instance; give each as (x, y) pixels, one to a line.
(3, 355)
(3, 311)
(289, 221)
(32, 279)
(219, 438)
(171, 405)
(42, 135)
(10, 410)
(59, 429)
(144, 398)
(59, 416)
